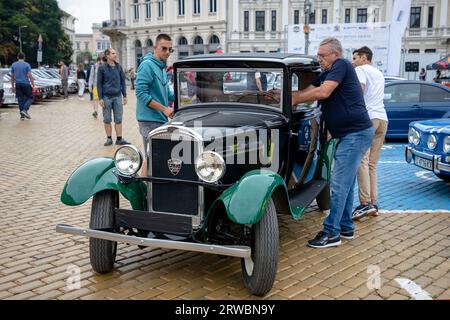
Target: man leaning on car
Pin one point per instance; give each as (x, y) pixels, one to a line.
(343, 109)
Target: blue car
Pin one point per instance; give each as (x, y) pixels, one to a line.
(408, 101)
(429, 146)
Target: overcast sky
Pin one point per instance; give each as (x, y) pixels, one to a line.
(87, 12)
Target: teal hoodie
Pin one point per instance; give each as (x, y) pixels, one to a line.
(152, 84)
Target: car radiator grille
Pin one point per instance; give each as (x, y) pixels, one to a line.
(179, 198)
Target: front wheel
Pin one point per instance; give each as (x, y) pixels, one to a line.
(260, 270)
(102, 253)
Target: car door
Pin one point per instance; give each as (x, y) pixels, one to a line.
(402, 103)
(435, 101)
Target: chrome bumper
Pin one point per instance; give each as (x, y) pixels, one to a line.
(438, 166)
(232, 251)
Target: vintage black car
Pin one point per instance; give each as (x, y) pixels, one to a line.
(219, 172)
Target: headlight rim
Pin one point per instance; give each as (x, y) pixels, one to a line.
(434, 141)
(135, 149)
(446, 142)
(216, 155)
(415, 134)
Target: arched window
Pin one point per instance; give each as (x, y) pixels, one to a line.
(138, 51)
(149, 46)
(198, 46)
(214, 44)
(183, 49)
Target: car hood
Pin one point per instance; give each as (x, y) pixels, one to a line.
(223, 117)
(433, 126)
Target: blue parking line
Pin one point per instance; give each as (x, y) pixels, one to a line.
(405, 187)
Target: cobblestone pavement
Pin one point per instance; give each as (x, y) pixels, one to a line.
(39, 155)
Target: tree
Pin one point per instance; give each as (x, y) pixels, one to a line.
(41, 17)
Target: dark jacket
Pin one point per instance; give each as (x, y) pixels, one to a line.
(111, 81)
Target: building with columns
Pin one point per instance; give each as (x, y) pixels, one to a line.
(200, 26)
(196, 27)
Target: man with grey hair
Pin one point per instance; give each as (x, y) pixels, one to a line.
(345, 115)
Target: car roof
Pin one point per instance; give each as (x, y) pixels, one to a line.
(425, 83)
(285, 58)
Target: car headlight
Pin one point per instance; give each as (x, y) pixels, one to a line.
(413, 136)
(431, 142)
(210, 166)
(447, 144)
(128, 160)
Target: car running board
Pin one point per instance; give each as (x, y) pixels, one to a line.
(303, 196)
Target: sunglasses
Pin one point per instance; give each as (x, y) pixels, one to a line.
(167, 49)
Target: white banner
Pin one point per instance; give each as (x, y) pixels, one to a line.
(352, 36)
(400, 17)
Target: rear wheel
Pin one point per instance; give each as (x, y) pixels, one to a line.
(323, 199)
(103, 252)
(260, 270)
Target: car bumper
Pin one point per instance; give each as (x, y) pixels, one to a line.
(426, 161)
(233, 251)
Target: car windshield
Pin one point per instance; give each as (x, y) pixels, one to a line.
(250, 86)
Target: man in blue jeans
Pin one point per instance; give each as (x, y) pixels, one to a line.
(22, 84)
(346, 118)
(111, 91)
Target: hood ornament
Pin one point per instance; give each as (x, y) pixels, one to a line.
(174, 166)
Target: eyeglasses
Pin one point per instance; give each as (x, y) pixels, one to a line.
(167, 49)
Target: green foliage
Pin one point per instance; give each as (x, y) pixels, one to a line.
(41, 17)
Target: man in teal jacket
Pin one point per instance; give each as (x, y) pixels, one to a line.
(152, 90)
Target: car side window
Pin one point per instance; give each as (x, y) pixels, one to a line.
(433, 94)
(401, 93)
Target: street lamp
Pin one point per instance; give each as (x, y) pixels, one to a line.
(306, 26)
(20, 36)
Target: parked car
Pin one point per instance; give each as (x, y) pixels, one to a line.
(408, 101)
(429, 146)
(45, 79)
(219, 186)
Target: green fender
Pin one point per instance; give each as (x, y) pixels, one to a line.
(326, 160)
(247, 200)
(97, 175)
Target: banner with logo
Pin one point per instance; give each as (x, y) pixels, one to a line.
(352, 36)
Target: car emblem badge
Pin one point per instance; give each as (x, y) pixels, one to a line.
(174, 166)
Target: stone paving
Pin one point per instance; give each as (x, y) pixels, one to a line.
(35, 261)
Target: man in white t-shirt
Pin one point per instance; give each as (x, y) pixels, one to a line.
(372, 84)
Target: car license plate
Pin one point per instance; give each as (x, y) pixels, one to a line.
(424, 163)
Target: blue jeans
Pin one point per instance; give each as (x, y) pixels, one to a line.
(347, 159)
(24, 94)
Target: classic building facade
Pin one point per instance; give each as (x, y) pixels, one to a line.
(95, 43)
(200, 26)
(196, 26)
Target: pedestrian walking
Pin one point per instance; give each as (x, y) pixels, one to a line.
(88, 75)
(81, 81)
(22, 83)
(423, 74)
(93, 78)
(112, 93)
(438, 76)
(345, 115)
(372, 84)
(132, 76)
(64, 76)
(152, 90)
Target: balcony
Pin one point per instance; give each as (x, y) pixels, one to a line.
(114, 28)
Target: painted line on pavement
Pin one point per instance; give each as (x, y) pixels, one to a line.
(415, 211)
(414, 290)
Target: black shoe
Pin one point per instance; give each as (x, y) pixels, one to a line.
(349, 235)
(108, 142)
(362, 210)
(324, 240)
(95, 114)
(122, 142)
(24, 114)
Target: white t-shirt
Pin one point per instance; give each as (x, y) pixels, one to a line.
(373, 80)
